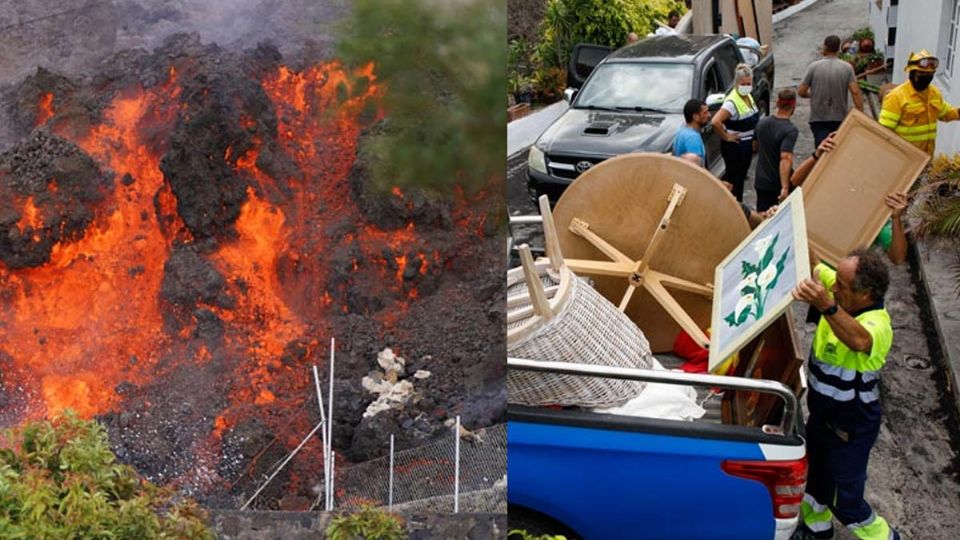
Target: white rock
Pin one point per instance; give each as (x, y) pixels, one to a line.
(395, 397)
(421, 374)
(390, 362)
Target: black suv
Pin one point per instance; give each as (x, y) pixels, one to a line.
(632, 101)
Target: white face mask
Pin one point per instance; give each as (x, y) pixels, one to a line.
(745, 89)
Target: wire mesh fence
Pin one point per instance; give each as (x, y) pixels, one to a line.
(424, 476)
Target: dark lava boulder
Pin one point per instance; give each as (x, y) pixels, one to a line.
(49, 190)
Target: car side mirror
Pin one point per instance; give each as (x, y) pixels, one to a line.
(714, 101)
(568, 94)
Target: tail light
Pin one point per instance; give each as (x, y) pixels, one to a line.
(785, 481)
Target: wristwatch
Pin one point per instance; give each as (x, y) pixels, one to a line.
(832, 310)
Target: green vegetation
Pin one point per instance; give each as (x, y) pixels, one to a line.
(937, 215)
(60, 480)
(600, 22)
(524, 535)
(443, 67)
(366, 524)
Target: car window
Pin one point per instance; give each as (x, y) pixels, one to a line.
(727, 60)
(713, 82)
(629, 85)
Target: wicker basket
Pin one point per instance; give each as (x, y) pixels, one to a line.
(586, 328)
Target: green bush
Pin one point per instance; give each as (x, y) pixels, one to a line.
(366, 524)
(60, 480)
(600, 22)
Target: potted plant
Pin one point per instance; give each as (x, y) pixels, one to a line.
(875, 60)
(865, 40)
(522, 88)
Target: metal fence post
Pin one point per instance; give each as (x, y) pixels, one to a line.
(390, 489)
(456, 467)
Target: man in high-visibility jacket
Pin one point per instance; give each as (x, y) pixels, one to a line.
(850, 347)
(913, 108)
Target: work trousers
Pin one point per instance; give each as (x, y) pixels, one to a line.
(737, 158)
(836, 478)
(766, 199)
(821, 130)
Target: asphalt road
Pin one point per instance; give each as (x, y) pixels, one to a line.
(914, 472)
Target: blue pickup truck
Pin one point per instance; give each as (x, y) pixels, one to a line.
(736, 474)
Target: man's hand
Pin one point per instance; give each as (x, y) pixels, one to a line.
(784, 192)
(727, 185)
(814, 293)
(826, 145)
(897, 203)
(769, 212)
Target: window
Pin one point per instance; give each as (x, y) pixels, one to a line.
(629, 85)
(727, 60)
(948, 39)
(713, 84)
(892, 36)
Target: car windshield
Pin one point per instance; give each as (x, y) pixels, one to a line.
(619, 85)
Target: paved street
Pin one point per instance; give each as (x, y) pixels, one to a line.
(914, 475)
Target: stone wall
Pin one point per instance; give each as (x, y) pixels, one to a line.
(236, 525)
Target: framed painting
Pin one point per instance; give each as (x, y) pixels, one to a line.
(843, 197)
(752, 285)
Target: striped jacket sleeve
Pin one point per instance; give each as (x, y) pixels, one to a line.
(948, 113)
(890, 112)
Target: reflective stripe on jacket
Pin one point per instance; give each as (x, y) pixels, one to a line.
(747, 116)
(913, 115)
(842, 374)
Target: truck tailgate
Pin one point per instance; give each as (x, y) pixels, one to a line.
(617, 477)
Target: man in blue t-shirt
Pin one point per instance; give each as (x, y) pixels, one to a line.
(688, 139)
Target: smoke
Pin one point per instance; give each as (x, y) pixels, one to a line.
(73, 39)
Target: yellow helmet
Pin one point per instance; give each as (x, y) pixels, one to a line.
(922, 61)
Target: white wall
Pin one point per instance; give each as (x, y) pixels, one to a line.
(880, 19)
(924, 26)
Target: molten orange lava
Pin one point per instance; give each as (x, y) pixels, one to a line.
(45, 108)
(91, 319)
(30, 217)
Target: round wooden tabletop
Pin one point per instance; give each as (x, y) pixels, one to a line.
(623, 200)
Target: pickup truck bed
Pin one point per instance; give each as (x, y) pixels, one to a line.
(591, 475)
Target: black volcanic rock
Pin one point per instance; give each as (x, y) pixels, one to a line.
(64, 185)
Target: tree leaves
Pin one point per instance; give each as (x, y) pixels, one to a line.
(59, 479)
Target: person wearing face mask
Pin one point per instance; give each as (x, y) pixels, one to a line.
(734, 123)
(912, 109)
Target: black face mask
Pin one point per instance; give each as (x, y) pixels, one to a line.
(921, 82)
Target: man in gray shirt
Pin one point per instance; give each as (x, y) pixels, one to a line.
(826, 82)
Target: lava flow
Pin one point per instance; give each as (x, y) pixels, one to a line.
(201, 220)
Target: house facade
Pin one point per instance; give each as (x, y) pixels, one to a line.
(933, 25)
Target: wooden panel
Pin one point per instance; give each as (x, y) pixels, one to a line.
(702, 16)
(757, 17)
(843, 196)
(764, 11)
(748, 19)
(779, 360)
(728, 18)
(622, 199)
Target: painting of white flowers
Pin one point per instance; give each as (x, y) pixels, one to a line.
(752, 285)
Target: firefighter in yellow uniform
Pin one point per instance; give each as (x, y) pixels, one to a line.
(913, 108)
